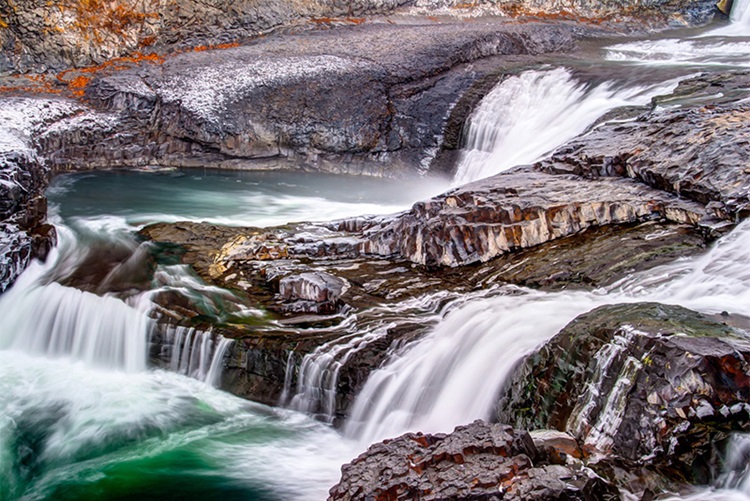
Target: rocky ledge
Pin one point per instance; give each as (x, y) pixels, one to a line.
(477, 461)
(40, 36)
(651, 392)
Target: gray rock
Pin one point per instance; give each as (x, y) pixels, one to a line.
(647, 383)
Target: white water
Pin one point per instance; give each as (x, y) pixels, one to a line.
(725, 46)
(452, 376)
(527, 116)
(197, 354)
(58, 321)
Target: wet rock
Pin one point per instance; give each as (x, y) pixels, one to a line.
(478, 461)
(518, 209)
(698, 152)
(319, 292)
(659, 386)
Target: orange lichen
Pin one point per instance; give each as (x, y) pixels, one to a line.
(335, 20)
(78, 85)
(202, 48)
(97, 19)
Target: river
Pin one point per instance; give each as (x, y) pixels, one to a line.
(83, 417)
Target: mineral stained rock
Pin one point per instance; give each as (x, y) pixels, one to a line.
(477, 461)
(658, 385)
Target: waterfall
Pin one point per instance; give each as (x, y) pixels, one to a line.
(53, 320)
(453, 374)
(317, 381)
(718, 47)
(527, 116)
(197, 354)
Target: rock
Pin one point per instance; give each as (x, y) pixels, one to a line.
(515, 210)
(38, 36)
(346, 100)
(478, 461)
(657, 385)
(322, 290)
(707, 163)
(24, 234)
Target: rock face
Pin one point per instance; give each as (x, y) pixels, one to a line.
(515, 210)
(347, 100)
(478, 461)
(24, 174)
(708, 164)
(39, 36)
(660, 386)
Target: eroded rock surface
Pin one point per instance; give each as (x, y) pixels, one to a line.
(478, 461)
(660, 386)
(40, 36)
(366, 99)
(24, 175)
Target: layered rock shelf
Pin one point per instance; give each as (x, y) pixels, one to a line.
(634, 398)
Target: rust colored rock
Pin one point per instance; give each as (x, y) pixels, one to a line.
(477, 461)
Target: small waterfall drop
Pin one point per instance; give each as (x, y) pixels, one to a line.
(54, 320)
(452, 375)
(197, 354)
(527, 116)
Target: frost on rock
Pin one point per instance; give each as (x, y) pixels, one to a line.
(21, 118)
(209, 90)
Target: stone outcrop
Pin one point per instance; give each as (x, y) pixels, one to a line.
(652, 385)
(707, 164)
(40, 36)
(478, 461)
(366, 99)
(516, 210)
(24, 175)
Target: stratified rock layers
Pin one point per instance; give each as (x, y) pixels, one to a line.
(658, 385)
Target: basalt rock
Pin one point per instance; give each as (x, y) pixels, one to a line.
(658, 386)
(516, 210)
(698, 152)
(24, 175)
(478, 461)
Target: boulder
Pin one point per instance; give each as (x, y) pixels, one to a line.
(478, 461)
(659, 386)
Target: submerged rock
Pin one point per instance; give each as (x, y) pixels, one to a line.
(659, 386)
(478, 461)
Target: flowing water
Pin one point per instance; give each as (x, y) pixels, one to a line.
(83, 417)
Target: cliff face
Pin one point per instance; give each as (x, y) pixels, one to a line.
(40, 36)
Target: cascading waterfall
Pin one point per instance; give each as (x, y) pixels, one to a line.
(527, 116)
(197, 354)
(54, 320)
(452, 376)
(316, 385)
